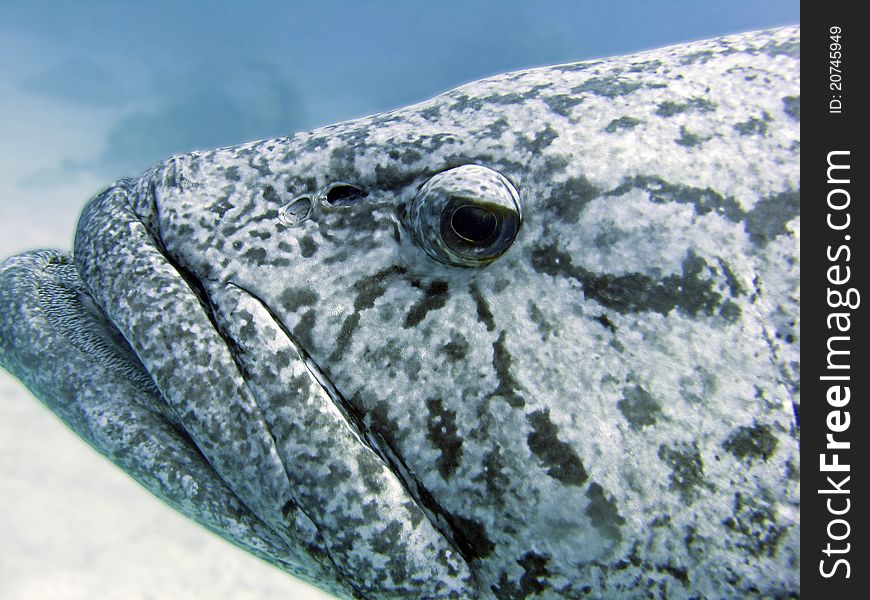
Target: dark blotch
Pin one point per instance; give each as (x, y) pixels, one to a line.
(391, 177)
(288, 509)
(647, 66)
(734, 286)
(373, 287)
(367, 291)
(534, 577)
(270, 194)
(184, 230)
(370, 470)
(545, 328)
(507, 385)
(247, 331)
(568, 199)
(754, 521)
(603, 513)
(292, 299)
(687, 469)
(434, 297)
(388, 541)
(639, 407)
(558, 457)
(751, 443)
(669, 108)
(677, 573)
(261, 167)
(342, 340)
(307, 246)
(431, 113)
(493, 476)
(442, 432)
(792, 107)
(689, 139)
(608, 87)
(635, 292)
(404, 154)
(753, 126)
(484, 314)
(730, 311)
(692, 294)
(303, 329)
(474, 535)
(701, 56)
(562, 104)
(542, 139)
(791, 47)
(465, 102)
(497, 128)
(342, 158)
(506, 589)
(605, 322)
(336, 476)
(255, 255)
(622, 123)
(457, 348)
(705, 200)
(768, 217)
(382, 424)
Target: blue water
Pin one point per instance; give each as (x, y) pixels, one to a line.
(198, 74)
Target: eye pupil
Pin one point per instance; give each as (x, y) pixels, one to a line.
(473, 223)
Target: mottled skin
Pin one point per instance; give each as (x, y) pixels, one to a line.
(608, 409)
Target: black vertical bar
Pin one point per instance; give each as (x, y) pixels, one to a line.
(834, 168)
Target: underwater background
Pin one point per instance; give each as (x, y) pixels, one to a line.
(96, 90)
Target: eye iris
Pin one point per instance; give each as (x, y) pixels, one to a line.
(473, 223)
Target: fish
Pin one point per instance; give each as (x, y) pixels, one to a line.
(535, 337)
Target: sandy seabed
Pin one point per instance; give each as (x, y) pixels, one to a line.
(75, 527)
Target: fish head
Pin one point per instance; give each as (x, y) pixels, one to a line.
(557, 305)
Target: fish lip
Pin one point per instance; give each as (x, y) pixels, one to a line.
(438, 517)
(350, 414)
(347, 410)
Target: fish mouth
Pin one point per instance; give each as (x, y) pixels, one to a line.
(257, 414)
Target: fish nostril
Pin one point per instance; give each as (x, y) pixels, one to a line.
(344, 194)
(295, 211)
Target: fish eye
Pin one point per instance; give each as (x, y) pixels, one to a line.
(295, 211)
(465, 217)
(343, 194)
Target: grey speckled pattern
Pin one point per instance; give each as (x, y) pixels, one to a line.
(608, 409)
